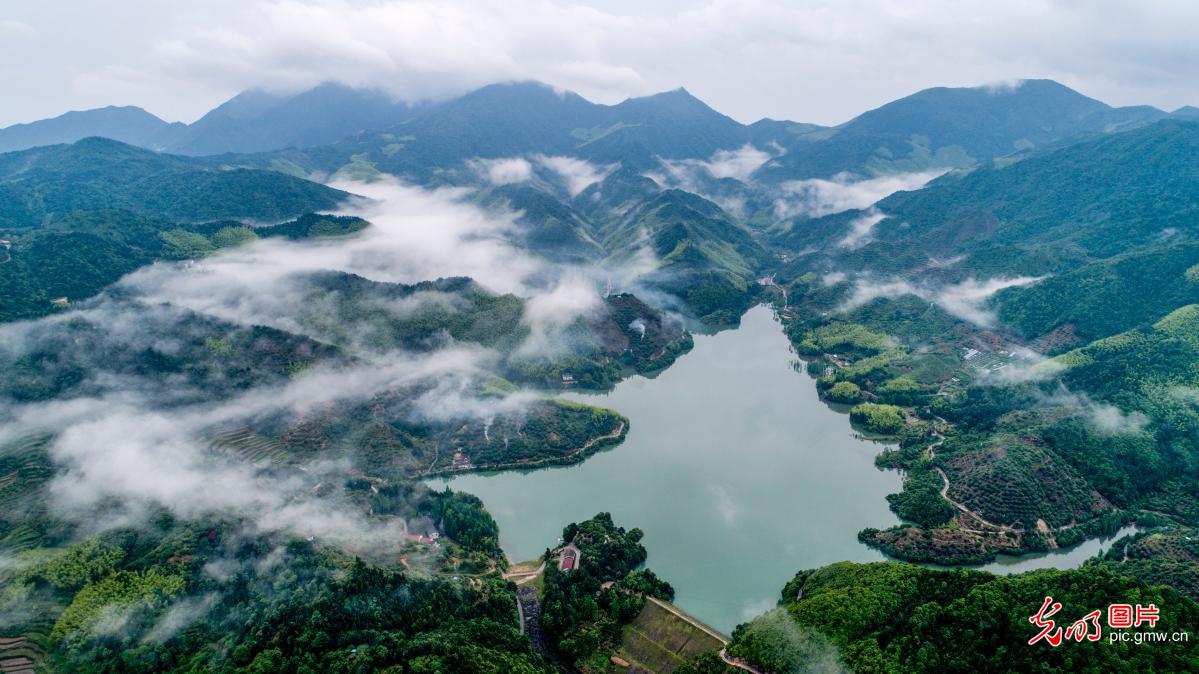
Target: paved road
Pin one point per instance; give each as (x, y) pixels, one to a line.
(739, 664)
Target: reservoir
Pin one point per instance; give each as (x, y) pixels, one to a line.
(738, 474)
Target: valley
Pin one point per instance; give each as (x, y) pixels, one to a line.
(300, 405)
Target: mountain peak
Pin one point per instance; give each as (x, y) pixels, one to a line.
(1186, 112)
(127, 123)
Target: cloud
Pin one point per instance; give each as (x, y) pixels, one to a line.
(1112, 420)
(738, 164)
(503, 171)
(129, 441)
(548, 314)
(965, 300)
(577, 174)
(861, 229)
(818, 197)
(1026, 365)
(415, 235)
(19, 28)
(849, 57)
(725, 507)
(702, 176)
(795, 649)
(1003, 86)
(180, 615)
(1103, 417)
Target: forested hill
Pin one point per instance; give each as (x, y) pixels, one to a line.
(889, 617)
(76, 218)
(334, 127)
(1113, 215)
(942, 327)
(97, 173)
(954, 127)
(504, 120)
(1105, 196)
(127, 124)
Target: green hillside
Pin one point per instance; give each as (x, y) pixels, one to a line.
(889, 617)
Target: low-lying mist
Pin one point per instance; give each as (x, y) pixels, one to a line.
(130, 439)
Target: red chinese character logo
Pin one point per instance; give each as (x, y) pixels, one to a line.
(1082, 628)
(1147, 614)
(1049, 630)
(1119, 616)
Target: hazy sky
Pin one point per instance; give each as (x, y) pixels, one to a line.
(805, 60)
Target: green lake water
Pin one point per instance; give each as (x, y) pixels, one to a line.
(738, 474)
(736, 471)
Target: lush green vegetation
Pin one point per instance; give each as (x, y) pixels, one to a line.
(889, 617)
(845, 392)
(876, 418)
(463, 518)
(849, 337)
(101, 174)
(921, 501)
(143, 602)
(580, 617)
(78, 254)
(949, 127)
(81, 216)
(773, 642)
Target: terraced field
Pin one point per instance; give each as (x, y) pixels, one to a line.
(24, 469)
(659, 641)
(249, 446)
(22, 654)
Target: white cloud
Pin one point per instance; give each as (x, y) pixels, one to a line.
(1003, 86)
(1026, 365)
(577, 174)
(547, 313)
(818, 197)
(124, 447)
(824, 62)
(1113, 421)
(142, 440)
(11, 27)
(739, 164)
(965, 300)
(503, 171)
(1103, 417)
(861, 229)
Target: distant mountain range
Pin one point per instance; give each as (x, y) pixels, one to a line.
(958, 127)
(252, 121)
(334, 127)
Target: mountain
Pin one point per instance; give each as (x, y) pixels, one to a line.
(1087, 251)
(257, 121)
(252, 121)
(97, 173)
(75, 218)
(531, 118)
(1110, 214)
(1186, 112)
(857, 608)
(335, 127)
(952, 127)
(550, 227)
(703, 256)
(127, 124)
(669, 125)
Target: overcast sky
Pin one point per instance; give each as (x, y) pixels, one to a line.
(804, 60)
